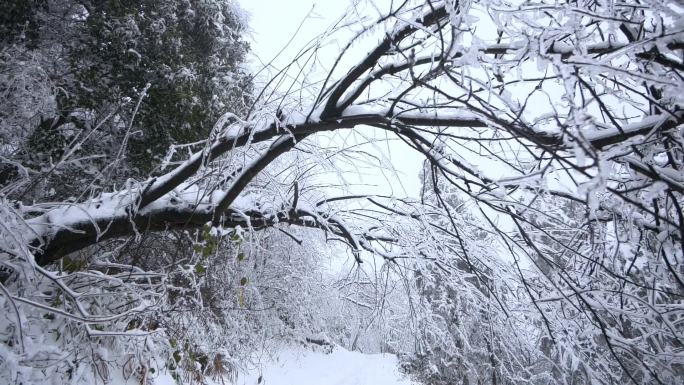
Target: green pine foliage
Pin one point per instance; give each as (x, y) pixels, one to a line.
(189, 52)
(127, 79)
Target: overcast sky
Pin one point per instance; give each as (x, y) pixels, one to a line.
(273, 24)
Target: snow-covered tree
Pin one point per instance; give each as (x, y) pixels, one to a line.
(98, 91)
(548, 251)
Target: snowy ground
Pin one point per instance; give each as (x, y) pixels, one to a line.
(341, 367)
(301, 366)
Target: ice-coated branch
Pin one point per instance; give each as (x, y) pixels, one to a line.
(64, 236)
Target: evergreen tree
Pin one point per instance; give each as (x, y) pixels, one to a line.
(129, 79)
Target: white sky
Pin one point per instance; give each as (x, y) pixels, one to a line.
(273, 24)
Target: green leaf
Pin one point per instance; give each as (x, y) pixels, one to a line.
(241, 297)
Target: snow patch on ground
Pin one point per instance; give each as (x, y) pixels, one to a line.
(300, 366)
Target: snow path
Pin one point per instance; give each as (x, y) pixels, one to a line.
(341, 367)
